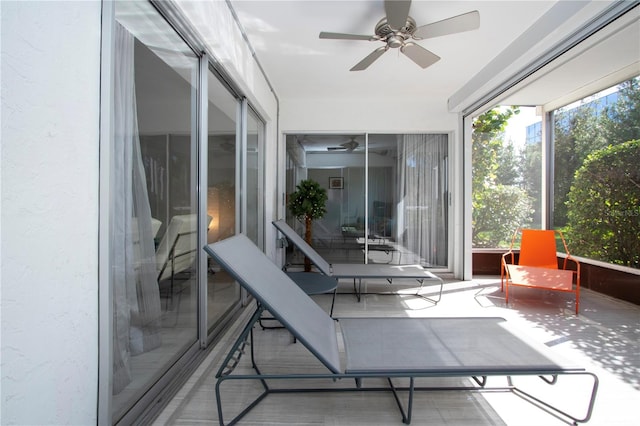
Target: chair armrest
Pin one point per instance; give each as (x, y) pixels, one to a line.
(507, 254)
(572, 259)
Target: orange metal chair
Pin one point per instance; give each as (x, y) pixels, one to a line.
(537, 266)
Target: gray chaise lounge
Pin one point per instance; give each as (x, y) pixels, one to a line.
(391, 348)
(360, 271)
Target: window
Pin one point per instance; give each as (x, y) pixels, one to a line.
(596, 177)
(594, 180)
(507, 174)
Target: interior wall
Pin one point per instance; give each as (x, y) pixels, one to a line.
(366, 115)
(49, 211)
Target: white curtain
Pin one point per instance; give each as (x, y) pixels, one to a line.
(136, 300)
(422, 210)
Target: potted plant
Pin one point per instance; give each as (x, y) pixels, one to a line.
(306, 204)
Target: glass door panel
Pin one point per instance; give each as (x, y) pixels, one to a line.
(337, 163)
(154, 208)
(404, 217)
(222, 164)
(255, 179)
(382, 245)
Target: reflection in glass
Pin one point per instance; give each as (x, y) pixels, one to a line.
(222, 291)
(387, 198)
(255, 179)
(154, 202)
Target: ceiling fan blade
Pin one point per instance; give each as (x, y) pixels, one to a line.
(457, 24)
(342, 36)
(397, 12)
(363, 64)
(419, 54)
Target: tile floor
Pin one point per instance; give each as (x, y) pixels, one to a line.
(604, 338)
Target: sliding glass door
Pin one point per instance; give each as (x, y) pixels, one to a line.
(185, 165)
(223, 165)
(388, 196)
(154, 210)
(254, 200)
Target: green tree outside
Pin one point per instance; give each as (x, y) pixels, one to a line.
(595, 178)
(604, 205)
(500, 204)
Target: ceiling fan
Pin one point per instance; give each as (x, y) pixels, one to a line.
(397, 29)
(346, 146)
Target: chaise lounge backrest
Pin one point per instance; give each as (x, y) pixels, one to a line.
(177, 249)
(305, 248)
(272, 288)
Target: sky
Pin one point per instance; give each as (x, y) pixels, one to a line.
(516, 129)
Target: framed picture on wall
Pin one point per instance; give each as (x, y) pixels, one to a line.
(336, 183)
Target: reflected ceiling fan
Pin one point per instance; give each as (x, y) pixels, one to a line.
(346, 146)
(397, 29)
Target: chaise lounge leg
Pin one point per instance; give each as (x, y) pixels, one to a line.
(406, 417)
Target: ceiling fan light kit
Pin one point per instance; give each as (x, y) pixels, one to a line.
(397, 29)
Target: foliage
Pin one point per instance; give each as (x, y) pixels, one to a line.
(582, 130)
(577, 133)
(530, 162)
(488, 132)
(505, 208)
(499, 204)
(508, 170)
(622, 120)
(604, 205)
(308, 201)
(595, 181)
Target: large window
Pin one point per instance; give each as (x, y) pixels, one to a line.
(596, 174)
(592, 174)
(507, 174)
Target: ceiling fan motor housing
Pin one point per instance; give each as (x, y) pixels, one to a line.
(395, 37)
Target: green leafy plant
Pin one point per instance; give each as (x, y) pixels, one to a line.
(604, 205)
(307, 203)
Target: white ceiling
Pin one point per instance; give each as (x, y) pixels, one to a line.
(299, 65)
(284, 35)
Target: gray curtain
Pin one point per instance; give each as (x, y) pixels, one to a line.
(136, 299)
(423, 190)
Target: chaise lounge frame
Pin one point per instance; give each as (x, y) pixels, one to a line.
(358, 272)
(440, 347)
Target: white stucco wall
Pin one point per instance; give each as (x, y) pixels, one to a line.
(50, 73)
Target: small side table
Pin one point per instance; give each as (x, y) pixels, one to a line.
(315, 283)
